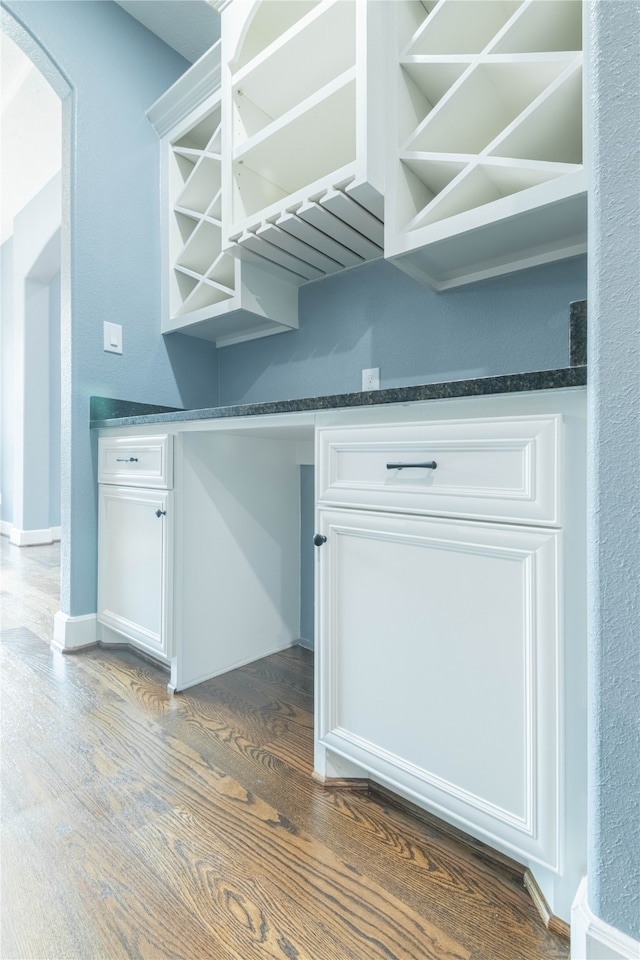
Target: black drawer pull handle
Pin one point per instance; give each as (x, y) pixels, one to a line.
(319, 539)
(160, 513)
(430, 465)
(126, 459)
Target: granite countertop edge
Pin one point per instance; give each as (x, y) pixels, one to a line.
(133, 414)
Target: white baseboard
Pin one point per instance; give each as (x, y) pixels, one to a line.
(5, 528)
(328, 765)
(593, 939)
(33, 538)
(73, 633)
(552, 922)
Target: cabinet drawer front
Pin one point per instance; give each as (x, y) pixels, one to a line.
(136, 461)
(490, 469)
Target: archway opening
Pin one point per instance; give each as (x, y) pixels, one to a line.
(31, 161)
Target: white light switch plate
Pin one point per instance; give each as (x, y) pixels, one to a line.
(113, 337)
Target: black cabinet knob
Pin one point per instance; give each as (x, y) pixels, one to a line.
(319, 539)
(160, 513)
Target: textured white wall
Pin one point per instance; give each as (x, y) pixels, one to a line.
(613, 126)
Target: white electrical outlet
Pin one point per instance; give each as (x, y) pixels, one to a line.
(371, 379)
(113, 337)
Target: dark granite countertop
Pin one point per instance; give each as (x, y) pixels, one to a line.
(119, 415)
(105, 412)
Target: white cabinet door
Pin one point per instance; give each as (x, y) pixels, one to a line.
(438, 652)
(133, 551)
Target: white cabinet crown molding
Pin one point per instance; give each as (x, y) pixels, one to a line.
(187, 93)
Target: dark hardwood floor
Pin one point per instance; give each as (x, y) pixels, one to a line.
(140, 825)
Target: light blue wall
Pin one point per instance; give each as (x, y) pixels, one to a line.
(6, 380)
(54, 402)
(25, 321)
(115, 69)
(377, 316)
(614, 464)
(35, 514)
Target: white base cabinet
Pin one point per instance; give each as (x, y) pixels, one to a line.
(450, 594)
(135, 541)
(204, 577)
(450, 631)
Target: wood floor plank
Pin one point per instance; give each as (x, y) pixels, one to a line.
(478, 898)
(132, 679)
(278, 735)
(109, 893)
(430, 878)
(229, 809)
(26, 881)
(283, 671)
(361, 914)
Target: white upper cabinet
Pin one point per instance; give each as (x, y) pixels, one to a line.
(320, 134)
(485, 165)
(303, 178)
(206, 292)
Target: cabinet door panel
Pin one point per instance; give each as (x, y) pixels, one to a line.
(132, 564)
(438, 653)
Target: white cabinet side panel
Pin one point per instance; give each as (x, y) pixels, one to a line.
(238, 559)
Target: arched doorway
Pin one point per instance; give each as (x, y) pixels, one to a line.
(30, 344)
